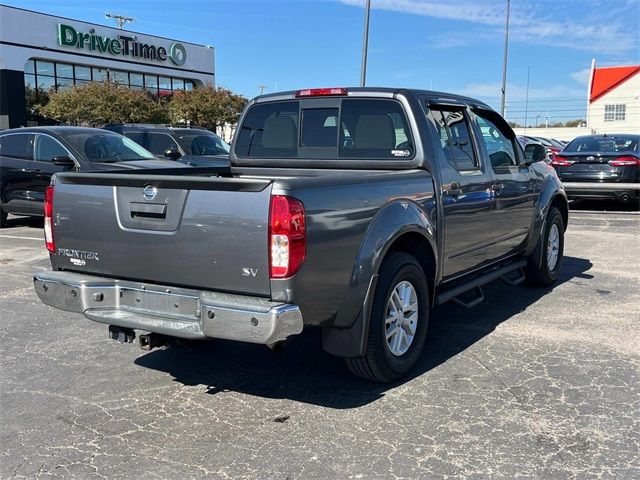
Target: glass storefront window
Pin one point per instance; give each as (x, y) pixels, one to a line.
(83, 73)
(30, 66)
(45, 68)
(178, 84)
(45, 84)
(136, 79)
(64, 83)
(100, 74)
(165, 83)
(64, 70)
(188, 85)
(120, 77)
(151, 82)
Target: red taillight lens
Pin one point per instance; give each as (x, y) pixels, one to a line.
(48, 219)
(321, 92)
(287, 236)
(560, 161)
(625, 161)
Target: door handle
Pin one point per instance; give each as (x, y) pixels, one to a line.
(497, 187)
(38, 171)
(452, 192)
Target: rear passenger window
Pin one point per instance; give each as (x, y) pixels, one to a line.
(498, 142)
(16, 146)
(47, 148)
(269, 130)
(374, 129)
(455, 139)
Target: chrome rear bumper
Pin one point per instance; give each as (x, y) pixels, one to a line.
(176, 312)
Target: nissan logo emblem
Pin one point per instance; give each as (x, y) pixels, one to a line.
(149, 192)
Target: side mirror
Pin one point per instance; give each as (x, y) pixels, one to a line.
(534, 152)
(172, 153)
(63, 161)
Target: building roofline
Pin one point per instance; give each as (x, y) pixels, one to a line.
(106, 26)
(620, 81)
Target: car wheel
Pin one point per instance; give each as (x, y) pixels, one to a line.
(552, 252)
(398, 322)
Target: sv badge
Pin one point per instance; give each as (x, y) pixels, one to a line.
(249, 272)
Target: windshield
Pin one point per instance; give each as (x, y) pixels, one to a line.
(608, 144)
(107, 147)
(202, 142)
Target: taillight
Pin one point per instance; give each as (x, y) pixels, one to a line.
(287, 236)
(48, 219)
(560, 161)
(321, 92)
(624, 161)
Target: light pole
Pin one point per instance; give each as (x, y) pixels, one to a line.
(537, 117)
(504, 62)
(365, 44)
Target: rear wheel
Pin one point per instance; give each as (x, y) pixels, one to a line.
(552, 252)
(398, 323)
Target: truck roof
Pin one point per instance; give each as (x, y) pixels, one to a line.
(380, 91)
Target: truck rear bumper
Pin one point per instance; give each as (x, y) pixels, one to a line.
(171, 311)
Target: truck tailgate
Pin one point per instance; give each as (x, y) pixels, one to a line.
(204, 232)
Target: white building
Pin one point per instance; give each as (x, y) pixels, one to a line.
(40, 52)
(614, 99)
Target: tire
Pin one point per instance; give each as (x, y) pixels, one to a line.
(399, 273)
(547, 273)
(3, 218)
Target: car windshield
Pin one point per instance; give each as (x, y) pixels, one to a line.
(608, 144)
(202, 142)
(107, 147)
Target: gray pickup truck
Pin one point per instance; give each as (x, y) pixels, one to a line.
(355, 210)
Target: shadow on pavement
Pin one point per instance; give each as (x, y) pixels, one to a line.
(304, 372)
(31, 222)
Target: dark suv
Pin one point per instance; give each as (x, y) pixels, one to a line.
(191, 145)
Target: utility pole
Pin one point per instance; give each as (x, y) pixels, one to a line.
(504, 62)
(262, 87)
(526, 103)
(365, 44)
(120, 20)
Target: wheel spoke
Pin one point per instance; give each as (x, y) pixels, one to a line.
(401, 318)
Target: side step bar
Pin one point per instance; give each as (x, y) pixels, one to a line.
(478, 282)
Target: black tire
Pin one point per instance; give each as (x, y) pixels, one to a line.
(543, 276)
(379, 364)
(3, 218)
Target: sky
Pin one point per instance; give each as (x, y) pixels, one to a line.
(448, 45)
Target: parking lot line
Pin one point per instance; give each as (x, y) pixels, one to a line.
(21, 238)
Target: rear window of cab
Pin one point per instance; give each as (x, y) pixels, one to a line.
(350, 129)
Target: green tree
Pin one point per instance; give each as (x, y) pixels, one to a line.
(206, 106)
(98, 103)
(574, 123)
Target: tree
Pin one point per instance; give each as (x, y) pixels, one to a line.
(206, 106)
(574, 123)
(98, 103)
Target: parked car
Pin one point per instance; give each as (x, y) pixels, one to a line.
(355, 210)
(601, 166)
(193, 146)
(30, 156)
(551, 148)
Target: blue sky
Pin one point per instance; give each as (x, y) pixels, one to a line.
(454, 45)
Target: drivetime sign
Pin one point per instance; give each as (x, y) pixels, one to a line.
(123, 45)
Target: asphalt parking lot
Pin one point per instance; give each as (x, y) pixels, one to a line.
(530, 384)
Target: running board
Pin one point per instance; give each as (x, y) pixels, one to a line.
(478, 282)
(479, 298)
(514, 281)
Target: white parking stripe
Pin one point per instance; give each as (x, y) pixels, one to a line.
(22, 238)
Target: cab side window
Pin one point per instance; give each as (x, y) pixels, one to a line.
(455, 139)
(499, 143)
(47, 148)
(160, 143)
(17, 145)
